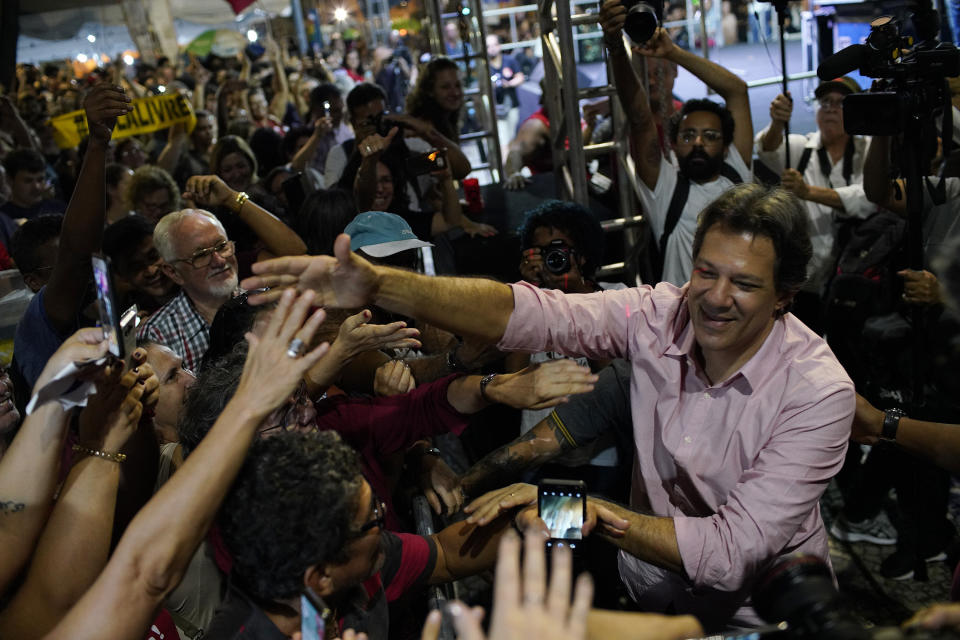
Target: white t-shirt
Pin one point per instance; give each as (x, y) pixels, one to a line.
(678, 258)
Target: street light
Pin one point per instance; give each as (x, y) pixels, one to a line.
(91, 38)
(81, 57)
(252, 35)
(128, 59)
(340, 14)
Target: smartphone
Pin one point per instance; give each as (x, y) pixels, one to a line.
(312, 609)
(423, 163)
(326, 109)
(120, 330)
(563, 507)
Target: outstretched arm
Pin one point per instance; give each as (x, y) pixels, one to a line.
(471, 307)
(153, 553)
(645, 143)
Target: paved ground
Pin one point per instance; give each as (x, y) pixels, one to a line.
(869, 595)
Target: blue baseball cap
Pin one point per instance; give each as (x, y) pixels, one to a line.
(381, 234)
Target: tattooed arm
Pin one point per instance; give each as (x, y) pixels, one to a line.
(543, 443)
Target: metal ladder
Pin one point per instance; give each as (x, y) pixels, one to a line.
(473, 33)
(570, 155)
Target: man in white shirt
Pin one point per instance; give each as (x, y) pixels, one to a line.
(826, 173)
(711, 154)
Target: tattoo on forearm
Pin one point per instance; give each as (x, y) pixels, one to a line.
(11, 506)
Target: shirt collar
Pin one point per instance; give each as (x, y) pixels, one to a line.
(754, 370)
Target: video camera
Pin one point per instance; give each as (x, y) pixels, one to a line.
(797, 597)
(643, 18)
(911, 74)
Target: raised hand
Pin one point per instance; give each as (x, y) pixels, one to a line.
(658, 46)
(529, 607)
(781, 108)
(113, 413)
(344, 281)
(82, 348)
(440, 485)
(792, 180)
(374, 145)
(208, 191)
(278, 360)
(613, 14)
(103, 105)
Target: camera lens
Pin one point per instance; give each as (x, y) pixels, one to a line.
(557, 261)
(641, 22)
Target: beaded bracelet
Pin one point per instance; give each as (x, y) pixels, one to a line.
(112, 457)
(238, 203)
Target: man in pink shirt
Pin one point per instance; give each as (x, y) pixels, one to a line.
(741, 415)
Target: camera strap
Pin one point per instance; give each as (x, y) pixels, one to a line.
(825, 165)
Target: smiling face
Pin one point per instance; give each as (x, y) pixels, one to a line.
(217, 280)
(236, 171)
(733, 299)
(447, 90)
(384, 189)
(144, 271)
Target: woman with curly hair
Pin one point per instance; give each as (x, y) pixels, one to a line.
(433, 111)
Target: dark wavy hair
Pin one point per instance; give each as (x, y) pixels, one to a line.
(764, 211)
(207, 397)
(420, 102)
(703, 104)
(290, 508)
(324, 215)
(573, 219)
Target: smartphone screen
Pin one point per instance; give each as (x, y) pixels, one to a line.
(563, 507)
(109, 318)
(312, 626)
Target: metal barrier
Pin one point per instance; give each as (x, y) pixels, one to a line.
(437, 599)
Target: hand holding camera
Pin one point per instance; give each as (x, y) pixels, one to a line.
(374, 145)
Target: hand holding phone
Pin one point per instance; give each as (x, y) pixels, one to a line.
(562, 506)
(120, 330)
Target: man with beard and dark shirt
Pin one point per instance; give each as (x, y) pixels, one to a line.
(711, 153)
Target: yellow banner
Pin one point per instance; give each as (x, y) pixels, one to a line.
(148, 115)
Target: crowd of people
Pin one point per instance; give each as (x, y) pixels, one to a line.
(301, 374)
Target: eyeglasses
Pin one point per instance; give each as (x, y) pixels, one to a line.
(379, 515)
(202, 258)
(835, 103)
(709, 136)
(288, 421)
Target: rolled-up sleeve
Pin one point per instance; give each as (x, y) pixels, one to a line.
(768, 509)
(595, 325)
(855, 203)
(774, 159)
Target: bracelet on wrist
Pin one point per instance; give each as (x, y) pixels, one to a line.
(484, 381)
(238, 201)
(112, 457)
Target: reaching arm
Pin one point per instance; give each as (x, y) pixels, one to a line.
(937, 442)
(466, 549)
(278, 238)
(83, 223)
(153, 553)
(645, 143)
(531, 140)
(877, 185)
(652, 539)
(302, 158)
(177, 142)
(80, 528)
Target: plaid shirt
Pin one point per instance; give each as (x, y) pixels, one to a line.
(178, 326)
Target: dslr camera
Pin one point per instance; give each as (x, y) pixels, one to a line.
(557, 256)
(643, 18)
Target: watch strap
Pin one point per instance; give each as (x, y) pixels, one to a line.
(891, 422)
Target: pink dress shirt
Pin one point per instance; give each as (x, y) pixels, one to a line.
(740, 466)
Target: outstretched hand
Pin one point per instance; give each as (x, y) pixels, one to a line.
(374, 145)
(344, 281)
(356, 335)
(274, 368)
(660, 45)
(542, 385)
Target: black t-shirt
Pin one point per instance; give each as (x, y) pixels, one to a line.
(47, 206)
(506, 95)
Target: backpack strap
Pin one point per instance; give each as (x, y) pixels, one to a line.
(728, 172)
(677, 203)
(804, 160)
